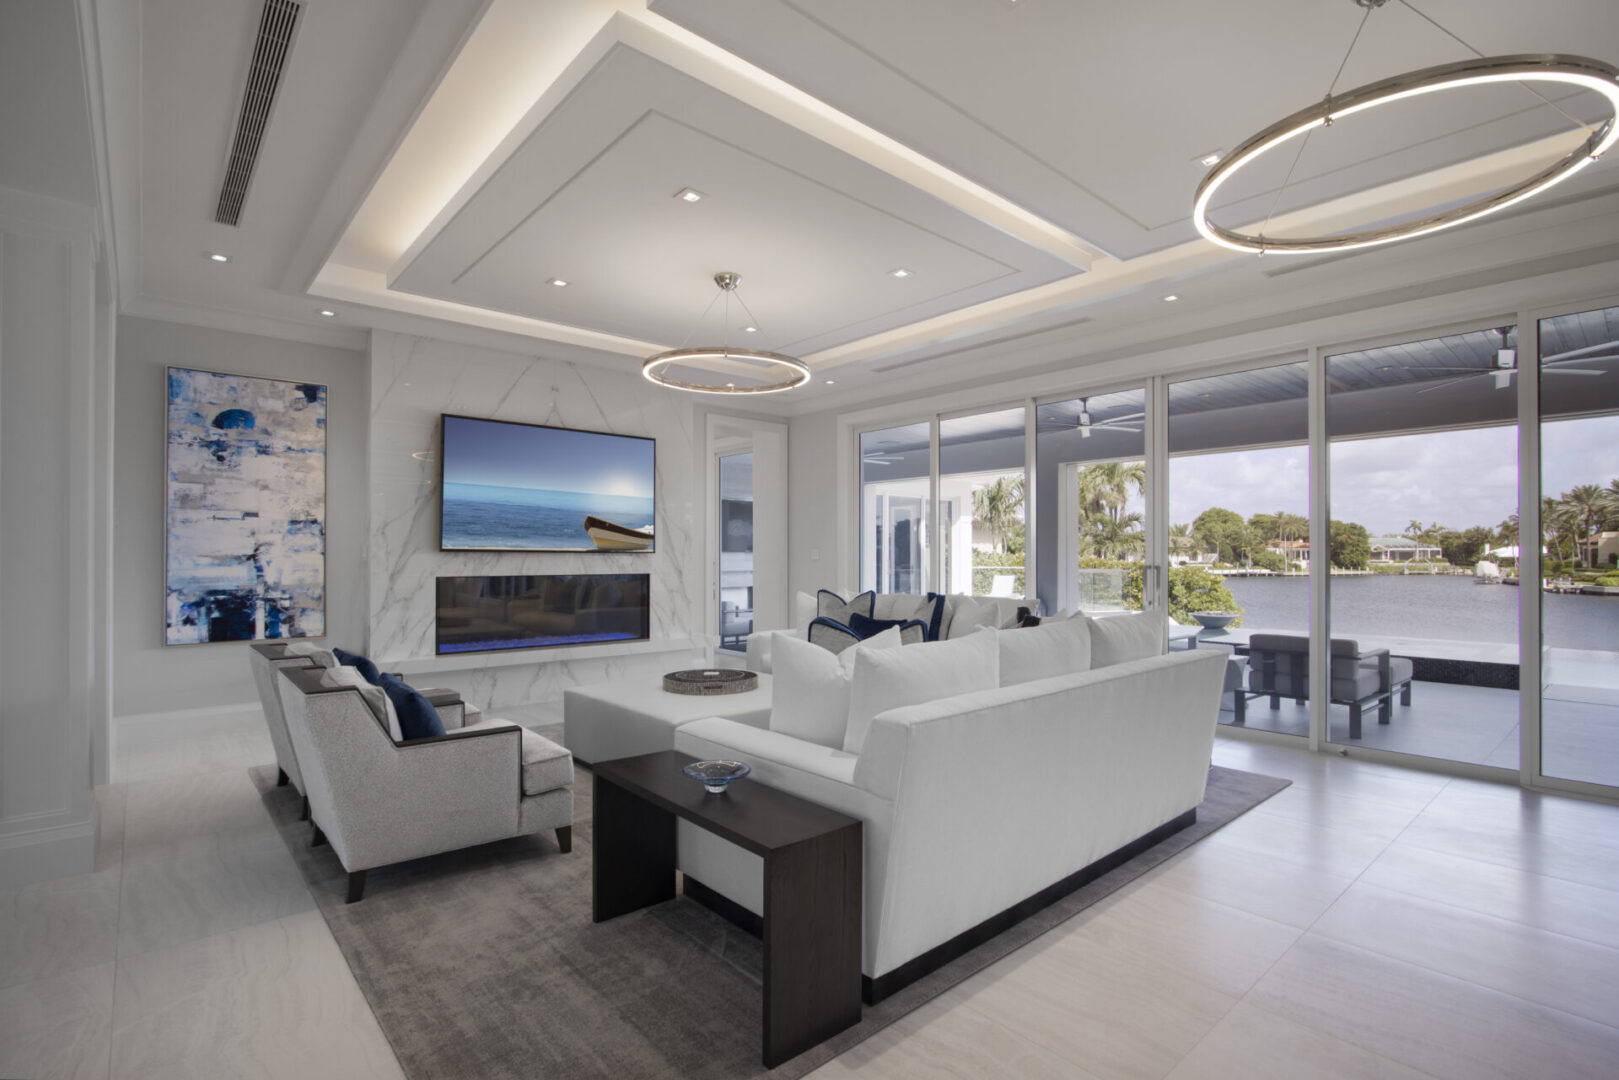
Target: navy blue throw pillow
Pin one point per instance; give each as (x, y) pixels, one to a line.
(865, 628)
(368, 671)
(417, 717)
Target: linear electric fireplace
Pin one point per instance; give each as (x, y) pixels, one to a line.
(538, 611)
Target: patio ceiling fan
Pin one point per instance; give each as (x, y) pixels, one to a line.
(1506, 365)
(1088, 423)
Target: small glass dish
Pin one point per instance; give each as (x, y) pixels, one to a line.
(716, 775)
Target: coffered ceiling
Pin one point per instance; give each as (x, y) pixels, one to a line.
(430, 167)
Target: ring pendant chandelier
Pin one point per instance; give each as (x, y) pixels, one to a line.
(1559, 69)
(759, 372)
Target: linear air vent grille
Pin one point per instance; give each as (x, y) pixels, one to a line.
(277, 24)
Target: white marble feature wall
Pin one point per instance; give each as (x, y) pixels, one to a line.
(413, 381)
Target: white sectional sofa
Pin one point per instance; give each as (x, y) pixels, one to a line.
(982, 807)
(974, 611)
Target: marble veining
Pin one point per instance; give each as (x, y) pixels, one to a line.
(413, 381)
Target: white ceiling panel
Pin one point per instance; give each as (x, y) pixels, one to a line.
(588, 197)
(1091, 115)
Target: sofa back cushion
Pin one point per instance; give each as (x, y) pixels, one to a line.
(1040, 652)
(360, 663)
(893, 678)
(379, 703)
(965, 615)
(810, 687)
(1118, 639)
(908, 607)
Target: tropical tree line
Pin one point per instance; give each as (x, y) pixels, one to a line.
(1573, 523)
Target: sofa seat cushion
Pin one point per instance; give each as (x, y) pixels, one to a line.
(1118, 639)
(546, 765)
(1040, 652)
(810, 687)
(887, 679)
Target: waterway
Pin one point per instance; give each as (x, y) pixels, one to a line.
(1451, 608)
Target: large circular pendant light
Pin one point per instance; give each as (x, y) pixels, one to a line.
(1557, 69)
(725, 369)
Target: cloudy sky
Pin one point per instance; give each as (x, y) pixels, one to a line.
(1458, 478)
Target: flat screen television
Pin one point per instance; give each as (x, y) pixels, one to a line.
(507, 486)
(538, 611)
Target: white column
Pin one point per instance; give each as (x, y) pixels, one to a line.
(54, 475)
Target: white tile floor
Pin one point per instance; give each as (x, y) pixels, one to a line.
(1368, 921)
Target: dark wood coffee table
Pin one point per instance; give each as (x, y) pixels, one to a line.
(812, 882)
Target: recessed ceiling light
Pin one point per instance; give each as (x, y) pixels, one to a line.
(899, 272)
(558, 282)
(750, 329)
(1171, 298)
(217, 257)
(328, 312)
(687, 194)
(831, 382)
(1210, 159)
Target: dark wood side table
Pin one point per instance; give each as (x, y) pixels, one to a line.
(812, 882)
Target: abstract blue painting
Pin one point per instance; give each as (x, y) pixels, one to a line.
(246, 496)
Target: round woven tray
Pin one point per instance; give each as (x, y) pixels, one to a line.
(710, 681)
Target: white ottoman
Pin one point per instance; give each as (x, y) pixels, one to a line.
(638, 716)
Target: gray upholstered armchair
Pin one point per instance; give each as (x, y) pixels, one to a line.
(380, 801)
(1278, 665)
(267, 658)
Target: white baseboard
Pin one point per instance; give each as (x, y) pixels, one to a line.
(42, 854)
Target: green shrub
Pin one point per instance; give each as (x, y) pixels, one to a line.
(986, 564)
(1609, 580)
(1191, 588)
(1267, 560)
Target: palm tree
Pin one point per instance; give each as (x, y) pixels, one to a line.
(1290, 527)
(1586, 505)
(999, 506)
(1414, 529)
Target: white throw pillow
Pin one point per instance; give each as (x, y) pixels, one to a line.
(810, 686)
(344, 675)
(892, 678)
(1120, 638)
(1040, 652)
(970, 614)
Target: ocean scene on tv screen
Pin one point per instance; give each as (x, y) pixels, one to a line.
(528, 488)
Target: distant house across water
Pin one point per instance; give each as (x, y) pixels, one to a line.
(1402, 549)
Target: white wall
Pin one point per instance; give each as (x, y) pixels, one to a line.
(413, 381)
(149, 676)
(813, 527)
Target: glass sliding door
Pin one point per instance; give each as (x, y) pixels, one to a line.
(982, 503)
(736, 550)
(1423, 610)
(895, 508)
(1090, 486)
(1579, 614)
(1239, 536)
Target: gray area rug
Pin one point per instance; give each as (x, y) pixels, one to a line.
(484, 962)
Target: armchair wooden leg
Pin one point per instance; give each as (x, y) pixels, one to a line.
(318, 839)
(281, 778)
(303, 815)
(356, 886)
(565, 838)
(1354, 720)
